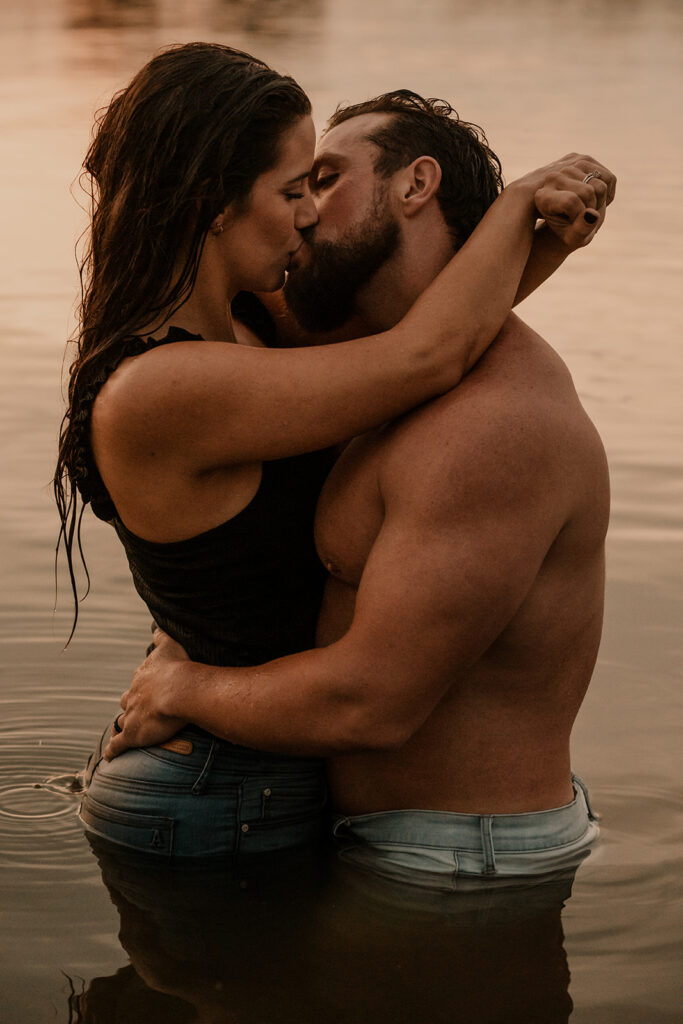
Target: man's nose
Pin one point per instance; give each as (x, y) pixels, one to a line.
(306, 213)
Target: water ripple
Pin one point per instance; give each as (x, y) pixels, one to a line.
(40, 765)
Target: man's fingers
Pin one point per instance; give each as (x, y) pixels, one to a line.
(117, 744)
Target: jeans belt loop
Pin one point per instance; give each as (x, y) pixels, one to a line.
(486, 828)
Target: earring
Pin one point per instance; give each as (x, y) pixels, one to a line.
(216, 228)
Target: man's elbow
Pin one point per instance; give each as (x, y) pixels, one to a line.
(375, 728)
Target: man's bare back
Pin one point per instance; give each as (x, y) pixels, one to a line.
(486, 511)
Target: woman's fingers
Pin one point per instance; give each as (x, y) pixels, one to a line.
(600, 191)
(573, 198)
(559, 204)
(592, 180)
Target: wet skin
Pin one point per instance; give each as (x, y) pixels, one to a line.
(465, 548)
(481, 520)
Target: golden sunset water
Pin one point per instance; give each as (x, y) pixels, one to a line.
(543, 77)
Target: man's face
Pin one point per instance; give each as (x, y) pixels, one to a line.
(357, 231)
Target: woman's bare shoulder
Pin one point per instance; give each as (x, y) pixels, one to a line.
(157, 389)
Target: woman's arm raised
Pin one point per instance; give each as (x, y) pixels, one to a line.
(555, 238)
(210, 404)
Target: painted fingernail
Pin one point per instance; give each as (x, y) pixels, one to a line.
(590, 218)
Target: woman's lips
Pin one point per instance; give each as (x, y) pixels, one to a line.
(295, 258)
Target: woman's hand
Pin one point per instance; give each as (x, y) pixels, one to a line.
(572, 211)
(144, 721)
(573, 197)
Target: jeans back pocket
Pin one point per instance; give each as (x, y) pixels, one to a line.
(142, 832)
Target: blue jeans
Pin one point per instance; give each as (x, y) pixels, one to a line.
(198, 796)
(441, 850)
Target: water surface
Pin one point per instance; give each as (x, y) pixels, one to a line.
(543, 77)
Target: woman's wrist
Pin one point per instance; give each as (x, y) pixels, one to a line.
(521, 193)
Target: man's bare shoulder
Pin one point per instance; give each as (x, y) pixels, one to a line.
(515, 422)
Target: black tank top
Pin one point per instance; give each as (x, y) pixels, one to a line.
(246, 591)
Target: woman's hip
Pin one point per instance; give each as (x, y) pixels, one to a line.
(197, 796)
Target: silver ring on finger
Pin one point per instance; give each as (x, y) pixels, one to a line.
(117, 727)
(593, 174)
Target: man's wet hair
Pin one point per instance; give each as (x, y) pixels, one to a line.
(471, 171)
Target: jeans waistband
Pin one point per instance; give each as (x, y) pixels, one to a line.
(203, 741)
(446, 829)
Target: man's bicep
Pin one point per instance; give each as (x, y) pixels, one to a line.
(435, 593)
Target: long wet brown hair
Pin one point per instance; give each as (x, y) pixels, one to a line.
(189, 135)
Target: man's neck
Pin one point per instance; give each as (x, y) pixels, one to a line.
(391, 292)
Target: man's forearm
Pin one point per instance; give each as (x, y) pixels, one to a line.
(297, 705)
(267, 706)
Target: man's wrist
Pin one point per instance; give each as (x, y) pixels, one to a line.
(179, 676)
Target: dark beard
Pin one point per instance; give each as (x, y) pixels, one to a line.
(322, 295)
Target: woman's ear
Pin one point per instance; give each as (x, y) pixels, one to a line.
(421, 181)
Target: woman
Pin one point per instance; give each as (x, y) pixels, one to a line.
(195, 449)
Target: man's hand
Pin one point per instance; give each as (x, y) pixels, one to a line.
(143, 722)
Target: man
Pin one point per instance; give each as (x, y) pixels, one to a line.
(464, 543)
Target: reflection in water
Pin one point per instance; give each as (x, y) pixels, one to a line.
(257, 16)
(311, 941)
(277, 17)
(111, 14)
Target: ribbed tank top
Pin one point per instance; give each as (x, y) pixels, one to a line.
(248, 590)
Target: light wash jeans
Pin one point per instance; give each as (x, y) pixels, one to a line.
(440, 849)
(201, 797)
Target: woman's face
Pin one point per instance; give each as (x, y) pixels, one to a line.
(259, 241)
